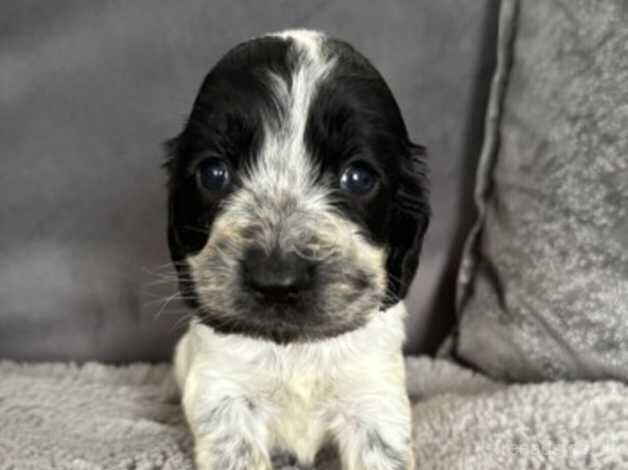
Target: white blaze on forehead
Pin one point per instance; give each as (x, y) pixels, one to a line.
(284, 163)
(309, 39)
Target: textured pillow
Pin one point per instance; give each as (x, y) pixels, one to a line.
(543, 288)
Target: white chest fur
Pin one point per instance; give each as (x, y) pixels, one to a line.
(294, 397)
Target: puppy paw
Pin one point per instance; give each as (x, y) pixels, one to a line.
(230, 456)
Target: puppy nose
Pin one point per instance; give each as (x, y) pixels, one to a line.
(277, 276)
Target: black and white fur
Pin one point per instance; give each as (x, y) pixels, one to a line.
(287, 113)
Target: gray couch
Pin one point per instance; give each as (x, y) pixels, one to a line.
(89, 90)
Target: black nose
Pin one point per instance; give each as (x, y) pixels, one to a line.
(277, 276)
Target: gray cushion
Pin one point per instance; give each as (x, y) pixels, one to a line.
(89, 90)
(545, 279)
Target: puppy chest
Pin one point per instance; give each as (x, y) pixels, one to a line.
(300, 409)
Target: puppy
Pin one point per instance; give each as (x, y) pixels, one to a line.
(297, 207)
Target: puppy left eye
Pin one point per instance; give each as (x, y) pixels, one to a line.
(213, 175)
(358, 179)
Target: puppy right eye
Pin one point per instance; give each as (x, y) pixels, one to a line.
(358, 179)
(213, 175)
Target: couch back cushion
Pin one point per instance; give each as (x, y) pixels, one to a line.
(88, 92)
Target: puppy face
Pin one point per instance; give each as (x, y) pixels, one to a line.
(297, 203)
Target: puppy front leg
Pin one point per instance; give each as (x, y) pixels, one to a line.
(229, 430)
(228, 452)
(373, 437)
(368, 449)
(228, 433)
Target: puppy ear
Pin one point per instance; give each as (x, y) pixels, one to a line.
(409, 221)
(175, 244)
(171, 149)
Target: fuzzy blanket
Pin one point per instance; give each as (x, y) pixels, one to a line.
(61, 416)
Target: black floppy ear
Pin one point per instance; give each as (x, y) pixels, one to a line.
(409, 221)
(171, 149)
(175, 244)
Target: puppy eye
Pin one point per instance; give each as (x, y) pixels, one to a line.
(358, 179)
(213, 175)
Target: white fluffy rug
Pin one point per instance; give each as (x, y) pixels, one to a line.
(60, 416)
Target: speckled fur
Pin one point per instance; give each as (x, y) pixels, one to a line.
(243, 393)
